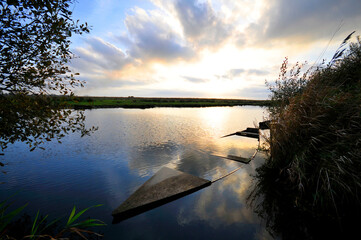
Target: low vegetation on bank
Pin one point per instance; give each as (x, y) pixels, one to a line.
(80, 102)
(311, 185)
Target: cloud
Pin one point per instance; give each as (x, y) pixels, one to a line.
(154, 38)
(307, 20)
(175, 93)
(124, 39)
(104, 66)
(202, 26)
(254, 92)
(195, 80)
(240, 39)
(163, 47)
(257, 72)
(99, 83)
(200, 22)
(99, 55)
(237, 72)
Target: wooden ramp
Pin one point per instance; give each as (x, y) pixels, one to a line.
(264, 125)
(236, 158)
(249, 132)
(239, 158)
(165, 186)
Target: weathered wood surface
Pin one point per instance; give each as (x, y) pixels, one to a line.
(249, 132)
(165, 186)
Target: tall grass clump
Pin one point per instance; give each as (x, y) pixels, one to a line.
(312, 180)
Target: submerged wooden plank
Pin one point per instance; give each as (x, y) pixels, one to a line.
(235, 158)
(249, 132)
(165, 186)
(238, 158)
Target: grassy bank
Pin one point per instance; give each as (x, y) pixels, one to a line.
(311, 185)
(79, 102)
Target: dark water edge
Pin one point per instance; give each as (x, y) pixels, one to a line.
(276, 202)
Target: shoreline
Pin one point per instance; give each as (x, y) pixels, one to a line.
(87, 102)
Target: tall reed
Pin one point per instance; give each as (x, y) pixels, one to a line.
(315, 145)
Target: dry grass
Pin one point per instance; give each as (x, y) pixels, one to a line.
(315, 144)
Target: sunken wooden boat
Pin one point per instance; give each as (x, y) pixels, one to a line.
(165, 186)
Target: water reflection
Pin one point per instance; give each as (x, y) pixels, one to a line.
(212, 206)
(129, 147)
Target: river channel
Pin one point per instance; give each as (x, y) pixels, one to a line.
(129, 147)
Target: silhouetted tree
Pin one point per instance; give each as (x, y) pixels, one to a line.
(34, 53)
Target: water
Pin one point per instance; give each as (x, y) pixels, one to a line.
(129, 147)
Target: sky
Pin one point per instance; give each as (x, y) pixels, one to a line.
(203, 48)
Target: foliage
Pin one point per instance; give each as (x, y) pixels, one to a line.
(289, 84)
(315, 151)
(34, 53)
(34, 39)
(40, 229)
(34, 120)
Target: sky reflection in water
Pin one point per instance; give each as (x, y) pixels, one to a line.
(129, 147)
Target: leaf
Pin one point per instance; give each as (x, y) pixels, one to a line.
(348, 37)
(34, 224)
(72, 219)
(89, 223)
(51, 223)
(71, 216)
(5, 220)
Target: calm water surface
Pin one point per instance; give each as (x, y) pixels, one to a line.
(129, 147)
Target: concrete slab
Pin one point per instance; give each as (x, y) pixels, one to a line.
(165, 186)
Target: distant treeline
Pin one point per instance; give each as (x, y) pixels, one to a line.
(86, 102)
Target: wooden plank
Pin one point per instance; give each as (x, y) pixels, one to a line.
(165, 186)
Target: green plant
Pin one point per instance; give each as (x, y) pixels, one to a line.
(86, 223)
(37, 227)
(40, 229)
(5, 216)
(79, 227)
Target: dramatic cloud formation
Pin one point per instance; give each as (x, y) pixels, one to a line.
(100, 55)
(200, 23)
(153, 37)
(307, 20)
(205, 48)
